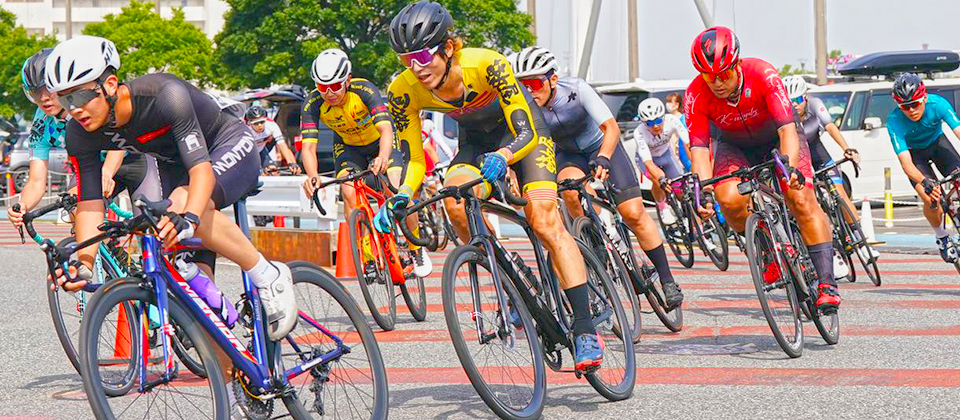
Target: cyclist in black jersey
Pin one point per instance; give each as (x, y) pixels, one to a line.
(205, 156)
(588, 139)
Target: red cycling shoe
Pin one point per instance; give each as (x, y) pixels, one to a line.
(829, 299)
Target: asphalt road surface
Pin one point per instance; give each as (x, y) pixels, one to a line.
(897, 356)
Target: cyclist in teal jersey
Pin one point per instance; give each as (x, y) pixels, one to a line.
(47, 134)
(919, 142)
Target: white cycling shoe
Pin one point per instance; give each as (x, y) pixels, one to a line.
(422, 264)
(840, 268)
(280, 303)
(667, 216)
(867, 252)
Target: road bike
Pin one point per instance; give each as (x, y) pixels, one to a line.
(382, 261)
(950, 203)
(690, 229)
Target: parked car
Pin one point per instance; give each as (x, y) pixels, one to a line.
(17, 161)
(860, 109)
(288, 100)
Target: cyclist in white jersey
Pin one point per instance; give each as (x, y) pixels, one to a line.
(655, 138)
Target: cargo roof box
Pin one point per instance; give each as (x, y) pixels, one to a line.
(892, 62)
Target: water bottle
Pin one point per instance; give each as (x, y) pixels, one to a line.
(208, 291)
(527, 273)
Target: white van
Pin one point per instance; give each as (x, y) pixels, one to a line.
(860, 110)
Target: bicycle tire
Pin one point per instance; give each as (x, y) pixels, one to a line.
(793, 349)
(308, 274)
(677, 245)
(386, 320)
(854, 229)
(720, 256)
(183, 353)
(418, 311)
(126, 290)
(829, 329)
(623, 389)
(439, 220)
(428, 228)
(470, 255)
(672, 319)
(584, 229)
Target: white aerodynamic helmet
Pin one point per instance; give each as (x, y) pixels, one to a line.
(795, 85)
(80, 60)
(330, 66)
(651, 109)
(533, 61)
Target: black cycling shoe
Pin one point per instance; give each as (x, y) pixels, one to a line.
(672, 295)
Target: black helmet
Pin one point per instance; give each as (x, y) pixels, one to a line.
(32, 73)
(420, 25)
(255, 112)
(908, 87)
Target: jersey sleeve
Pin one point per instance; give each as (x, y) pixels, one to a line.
(895, 130)
(778, 105)
(179, 113)
(309, 118)
(947, 113)
(370, 96)
(820, 111)
(84, 155)
(698, 123)
(643, 150)
(274, 129)
(679, 129)
(39, 147)
(591, 101)
(405, 112)
(516, 108)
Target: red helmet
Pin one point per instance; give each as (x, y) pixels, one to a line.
(715, 50)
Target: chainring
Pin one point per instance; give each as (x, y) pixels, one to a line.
(255, 409)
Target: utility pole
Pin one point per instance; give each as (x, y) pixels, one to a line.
(588, 42)
(704, 14)
(633, 44)
(820, 17)
(69, 16)
(157, 6)
(532, 11)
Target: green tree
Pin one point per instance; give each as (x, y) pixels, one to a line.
(17, 46)
(269, 41)
(147, 43)
(789, 70)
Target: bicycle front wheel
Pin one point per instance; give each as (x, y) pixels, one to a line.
(375, 282)
(776, 290)
(713, 241)
(651, 287)
(187, 393)
(678, 238)
(497, 346)
(858, 243)
(585, 230)
(353, 384)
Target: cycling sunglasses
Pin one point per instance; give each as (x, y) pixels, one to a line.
(723, 75)
(79, 98)
(420, 57)
(798, 100)
(534, 83)
(907, 106)
(333, 86)
(34, 95)
(655, 122)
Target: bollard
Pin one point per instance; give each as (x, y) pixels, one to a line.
(887, 199)
(10, 190)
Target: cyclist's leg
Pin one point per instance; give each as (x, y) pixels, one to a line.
(813, 223)
(630, 206)
(347, 159)
(728, 159)
(572, 165)
(921, 159)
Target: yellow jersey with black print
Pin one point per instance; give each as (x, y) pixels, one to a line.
(354, 121)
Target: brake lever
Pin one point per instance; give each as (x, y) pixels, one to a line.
(23, 239)
(316, 197)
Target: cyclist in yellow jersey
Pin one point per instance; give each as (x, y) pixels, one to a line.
(499, 123)
(353, 108)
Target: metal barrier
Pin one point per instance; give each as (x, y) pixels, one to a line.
(283, 196)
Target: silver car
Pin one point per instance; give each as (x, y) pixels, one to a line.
(17, 162)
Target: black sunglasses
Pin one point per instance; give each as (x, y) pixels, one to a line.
(79, 98)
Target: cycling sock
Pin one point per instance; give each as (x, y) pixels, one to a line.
(263, 273)
(822, 256)
(941, 232)
(659, 258)
(580, 302)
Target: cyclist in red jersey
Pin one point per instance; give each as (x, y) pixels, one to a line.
(747, 102)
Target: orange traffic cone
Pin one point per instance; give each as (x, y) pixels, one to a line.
(121, 345)
(278, 221)
(345, 266)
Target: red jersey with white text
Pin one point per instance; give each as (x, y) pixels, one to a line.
(763, 107)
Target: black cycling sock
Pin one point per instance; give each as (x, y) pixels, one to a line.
(822, 256)
(580, 302)
(659, 258)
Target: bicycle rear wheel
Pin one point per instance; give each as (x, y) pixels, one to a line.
(778, 298)
(428, 228)
(713, 241)
(352, 385)
(616, 377)
(678, 238)
(504, 359)
(651, 287)
(584, 229)
(185, 394)
(858, 243)
(375, 282)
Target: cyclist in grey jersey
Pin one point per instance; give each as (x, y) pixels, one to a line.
(588, 140)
